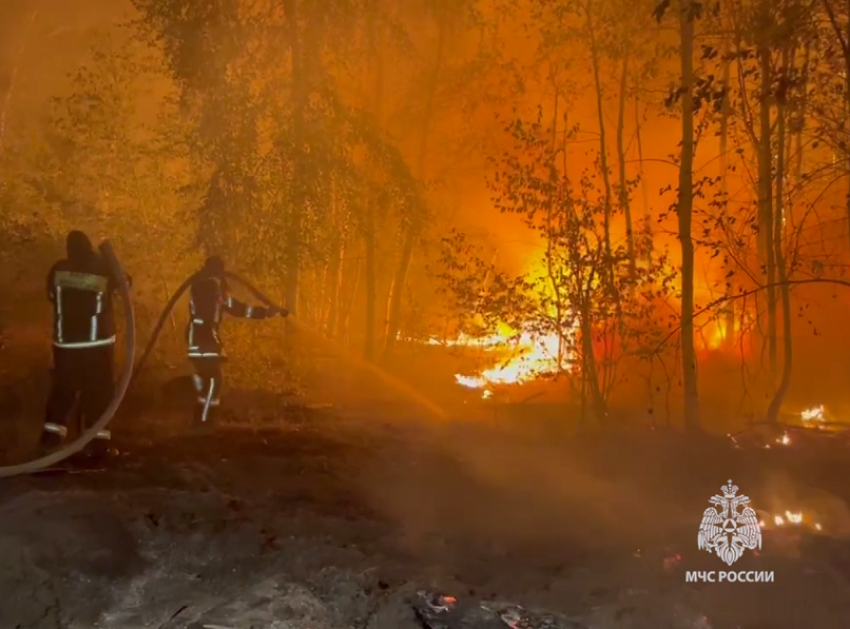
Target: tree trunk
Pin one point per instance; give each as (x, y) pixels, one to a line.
(413, 230)
(782, 271)
(623, 188)
(685, 216)
(371, 283)
(603, 142)
(800, 126)
(552, 234)
(842, 35)
(299, 176)
(765, 206)
(337, 276)
(343, 325)
(725, 113)
(844, 39)
(644, 185)
(590, 373)
(338, 272)
(369, 236)
(846, 155)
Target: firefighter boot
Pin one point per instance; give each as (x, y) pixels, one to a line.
(100, 447)
(52, 436)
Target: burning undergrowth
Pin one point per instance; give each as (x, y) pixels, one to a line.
(790, 508)
(811, 428)
(514, 358)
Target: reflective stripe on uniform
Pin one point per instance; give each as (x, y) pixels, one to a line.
(98, 309)
(104, 434)
(198, 382)
(59, 313)
(88, 283)
(56, 429)
(213, 402)
(208, 401)
(97, 343)
(194, 354)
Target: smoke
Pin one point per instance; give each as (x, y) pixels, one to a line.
(500, 490)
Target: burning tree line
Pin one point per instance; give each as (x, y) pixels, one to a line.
(769, 80)
(321, 145)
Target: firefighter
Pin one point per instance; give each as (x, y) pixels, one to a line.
(81, 288)
(208, 298)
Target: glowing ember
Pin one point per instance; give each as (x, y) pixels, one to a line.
(794, 518)
(672, 561)
(784, 439)
(815, 414)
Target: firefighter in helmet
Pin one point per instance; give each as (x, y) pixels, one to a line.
(81, 287)
(208, 299)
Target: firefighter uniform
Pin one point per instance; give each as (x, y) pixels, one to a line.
(80, 288)
(208, 300)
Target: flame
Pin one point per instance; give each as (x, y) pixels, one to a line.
(785, 440)
(815, 414)
(713, 335)
(794, 518)
(531, 356)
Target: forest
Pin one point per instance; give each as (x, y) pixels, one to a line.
(641, 209)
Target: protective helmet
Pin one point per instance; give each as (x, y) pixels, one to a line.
(78, 246)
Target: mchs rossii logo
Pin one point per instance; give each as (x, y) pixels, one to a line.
(729, 528)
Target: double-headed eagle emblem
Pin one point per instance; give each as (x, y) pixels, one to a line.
(727, 532)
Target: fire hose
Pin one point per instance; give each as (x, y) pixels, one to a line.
(90, 433)
(259, 296)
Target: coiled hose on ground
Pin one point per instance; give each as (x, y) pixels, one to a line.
(89, 434)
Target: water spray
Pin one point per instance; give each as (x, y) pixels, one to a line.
(382, 375)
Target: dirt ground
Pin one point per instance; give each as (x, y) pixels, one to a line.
(336, 518)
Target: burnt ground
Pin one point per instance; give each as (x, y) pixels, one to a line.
(326, 519)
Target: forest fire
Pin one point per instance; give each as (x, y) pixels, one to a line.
(528, 357)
